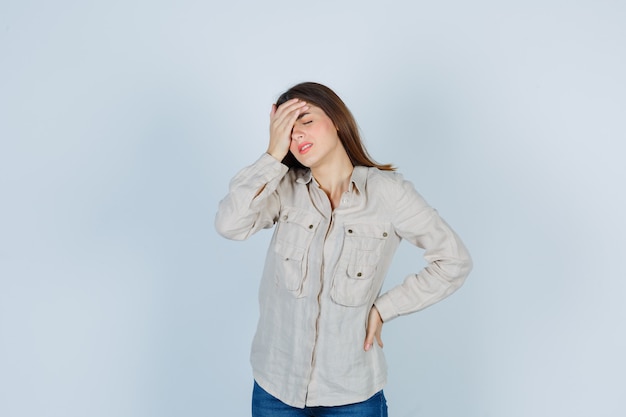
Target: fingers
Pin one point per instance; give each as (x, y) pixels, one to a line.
(369, 342)
(377, 335)
(282, 119)
(374, 330)
(373, 334)
(289, 105)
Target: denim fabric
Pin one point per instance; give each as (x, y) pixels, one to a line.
(265, 405)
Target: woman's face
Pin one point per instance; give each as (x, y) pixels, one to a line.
(314, 139)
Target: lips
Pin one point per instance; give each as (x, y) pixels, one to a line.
(304, 147)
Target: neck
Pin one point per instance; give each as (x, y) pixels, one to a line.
(334, 179)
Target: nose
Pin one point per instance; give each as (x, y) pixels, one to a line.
(297, 134)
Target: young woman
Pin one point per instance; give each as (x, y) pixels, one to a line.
(339, 217)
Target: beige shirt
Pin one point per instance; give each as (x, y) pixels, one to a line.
(324, 270)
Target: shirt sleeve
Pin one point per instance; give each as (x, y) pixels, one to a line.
(252, 202)
(448, 261)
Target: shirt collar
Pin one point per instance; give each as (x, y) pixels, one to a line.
(358, 179)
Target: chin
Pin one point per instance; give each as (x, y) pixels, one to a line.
(306, 164)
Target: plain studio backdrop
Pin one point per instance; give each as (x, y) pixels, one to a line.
(121, 123)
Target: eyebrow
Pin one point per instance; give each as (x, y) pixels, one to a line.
(302, 115)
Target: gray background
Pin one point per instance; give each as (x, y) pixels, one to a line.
(121, 123)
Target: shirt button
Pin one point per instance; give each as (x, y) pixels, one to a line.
(310, 226)
(285, 217)
(384, 234)
(349, 230)
(359, 274)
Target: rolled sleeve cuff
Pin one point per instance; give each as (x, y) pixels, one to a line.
(266, 170)
(386, 308)
(270, 166)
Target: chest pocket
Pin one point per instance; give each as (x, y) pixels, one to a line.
(353, 283)
(295, 230)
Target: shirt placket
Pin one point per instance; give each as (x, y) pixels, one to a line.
(330, 248)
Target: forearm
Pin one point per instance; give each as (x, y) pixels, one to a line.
(251, 203)
(448, 261)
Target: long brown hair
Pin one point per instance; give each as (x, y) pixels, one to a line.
(323, 97)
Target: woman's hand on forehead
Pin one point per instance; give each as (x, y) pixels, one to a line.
(282, 119)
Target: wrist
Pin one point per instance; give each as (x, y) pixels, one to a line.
(276, 155)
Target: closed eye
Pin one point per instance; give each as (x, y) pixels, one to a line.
(302, 116)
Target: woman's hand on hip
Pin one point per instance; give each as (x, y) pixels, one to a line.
(374, 329)
(282, 120)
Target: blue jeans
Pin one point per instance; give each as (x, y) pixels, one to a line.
(266, 405)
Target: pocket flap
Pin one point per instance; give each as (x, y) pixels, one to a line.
(303, 218)
(376, 231)
(360, 271)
